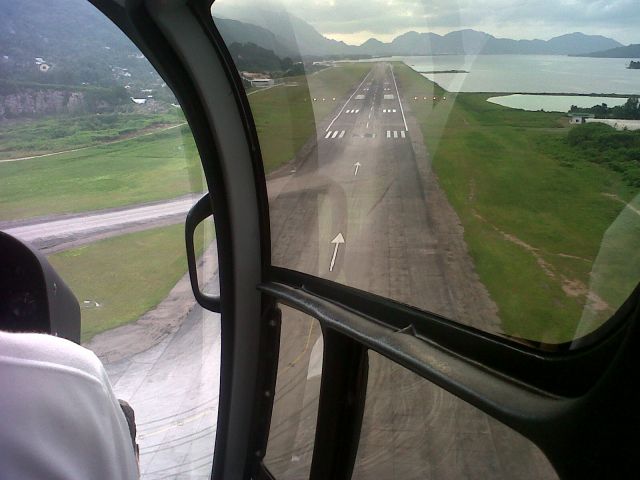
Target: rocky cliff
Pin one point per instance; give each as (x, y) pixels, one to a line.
(32, 102)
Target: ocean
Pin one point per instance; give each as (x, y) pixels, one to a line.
(529, 74)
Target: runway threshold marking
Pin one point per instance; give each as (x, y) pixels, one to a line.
(337, 242)
(395, 133)
(335, 134)
(399, 100)
(348, 100)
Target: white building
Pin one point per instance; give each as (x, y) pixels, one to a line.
(262, 82)
(579, 118)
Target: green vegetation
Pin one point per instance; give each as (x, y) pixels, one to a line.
(534, 222)
(53, 134)
(286, 116)
(152, 167)
(629, 111)
(618, 150)
(126, 275)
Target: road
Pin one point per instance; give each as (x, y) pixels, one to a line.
(52, 234)
(360, 207)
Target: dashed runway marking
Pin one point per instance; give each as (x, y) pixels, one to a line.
(388, 110)
(335, 134)
(352, 111)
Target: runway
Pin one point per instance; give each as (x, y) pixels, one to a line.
(364, 209)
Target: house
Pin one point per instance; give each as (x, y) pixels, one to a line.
(262, 82)
(577, 118)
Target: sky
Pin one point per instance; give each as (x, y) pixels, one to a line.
(355, 21)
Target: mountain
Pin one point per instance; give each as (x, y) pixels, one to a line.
(299, 36)
(234, 31)
(630, 51)
(74, 41)
(579, 43)
(293, 32)
(472, 42)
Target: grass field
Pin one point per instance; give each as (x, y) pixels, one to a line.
(54, 134)
(152, 167)
(534, 222)
(126, 275)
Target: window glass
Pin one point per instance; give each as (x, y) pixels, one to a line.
(413, 429)
(443, 157)
(98, 169)
(295, 409)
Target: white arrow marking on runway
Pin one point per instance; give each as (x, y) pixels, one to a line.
(357, 165)
(337, 241)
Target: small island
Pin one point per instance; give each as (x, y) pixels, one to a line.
(634, 65)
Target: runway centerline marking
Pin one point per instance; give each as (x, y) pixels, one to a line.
(399, 100)
(349, 99)
(336, 241)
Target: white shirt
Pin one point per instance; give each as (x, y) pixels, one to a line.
(59, 418)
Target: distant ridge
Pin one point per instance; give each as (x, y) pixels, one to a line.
(473, 42)
(300, 36)
(630, 51)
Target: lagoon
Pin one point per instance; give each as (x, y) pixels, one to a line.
(553, 103)
(529, 73)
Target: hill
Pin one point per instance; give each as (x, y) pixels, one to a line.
(299, 36)
(630, 51)
(473, 42)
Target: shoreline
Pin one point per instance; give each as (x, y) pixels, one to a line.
(503, 92)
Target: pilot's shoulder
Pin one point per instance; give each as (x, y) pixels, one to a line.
(49, 350)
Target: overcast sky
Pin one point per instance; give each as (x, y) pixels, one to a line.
(354, 21)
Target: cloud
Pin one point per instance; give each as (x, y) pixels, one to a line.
(359, 19)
